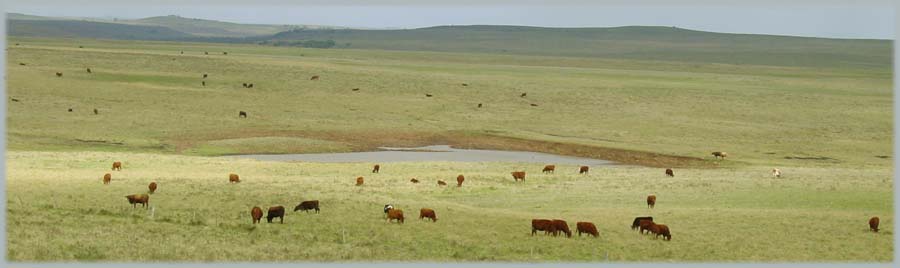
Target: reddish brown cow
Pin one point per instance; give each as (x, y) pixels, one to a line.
(152, 187)
(414, 180)
(376, 168)
(135, 199)
(395, 214)
(873, 224)
(427, 213)
(275, 212)
(645, 225)
(441, 183)
(518, 175)
(541, 225)
(117, 166)
(314, 77)
(233, 178)
(661, 230)
(359, 181)
(459, 180)
(636, 223)
(670, 173)
(583, 170)
(651, 201)
(308, 205)
(587, 227)
(561, 226)
(549, 168)
(256, 213)
(107, 178)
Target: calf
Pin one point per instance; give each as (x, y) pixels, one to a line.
(275, 212)
(583, 170)
(541, 225)
(637, 220)
(518, 175)
(873, 224)
(359, 181)
(376, 168)
(561, 226)
(152, 187)
(459, 180)
(427, 213)
(395, 214)
(233, 178)
(651, 201)
(117, 166)
(107, 178)
(549, 168)
(308, 205)
(256, 213)
(720, 154)
(414, 180)
(135, 199)
(441, 183)
(587, 227)
(670, 173)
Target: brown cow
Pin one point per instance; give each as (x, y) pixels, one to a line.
(275, 212)
(376, 168)
(661, 230)
(523, 95)
(107, 178)
(873, 224)
(314, 77)
(479, 105)
(244, 85)
(414, 180)
(117, 166)
(95, 111)
(583, 170)
(355, 89)
(587, 227)
(670, 173)
(135, 199)
(152, 187)
(256, 213)
(541, 225)
(242, 114)
(428, 95)
(205, 75)
(250, 85)
(58, 74)
(465, 85)
(308, 205)
(549, 168)
(459, 180)
(427, 213)
(441, 183)
(203, 83)
(637, 220)
(518, 175)
(89, 70)
(359, 181)
(720, 154)
(534, 104)
(233, 178)
(645, 225)
(651, 201)
(395, 214)
(561, 226)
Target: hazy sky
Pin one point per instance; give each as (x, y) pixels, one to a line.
(859, 19)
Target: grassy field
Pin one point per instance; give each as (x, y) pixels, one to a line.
(824, 126)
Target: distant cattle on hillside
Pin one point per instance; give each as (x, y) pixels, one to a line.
(518, 175)
(873, 224)
(314, 77)
(583, 169)
(117, 166)
(152, 187)
(359, 181)
(242, 114)
(414, 180)
(233, 178)
(720, 154)
(58, 74)
(776, 173)
(670, 173)
(549, 168)
(651, 201)
(376, 168)
(459, 180)
(441, 183)
(107, 178)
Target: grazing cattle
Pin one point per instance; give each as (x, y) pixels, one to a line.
(670, 173)
(376, 168)
(107, 178)
(661, 230)
(250, 85)
(549, 168)
(275, 212)
(459, 180)
(518, 175)
(224, 53)
(256, 213)
(95, 111)
(523, 95)
(720, 154)
(637, 221)
(135, 199)
(395, 214)
(314, 77)
(244, 85)
(206, 52)
(117, 166)
(651, 201)
(387, 208)
(152, 187)
(355, 89)
(233, 178)
(873, 224)
(427, 213)
(645, 225)
(465, 85)
(776, 173)
(205, 75)
(583, 170)
(242, 114)
(541, 225)
(14, 99)
(359, 181)
(479, 105)
(22, 63)
(534, 105)
(428, 95)
(414, 180)
(441, 183)
(182, 52)
(89, 70)
(58, 74)
(586, 227)
(203, 83)
(308, 205)
(561, 226)
(70, 110)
